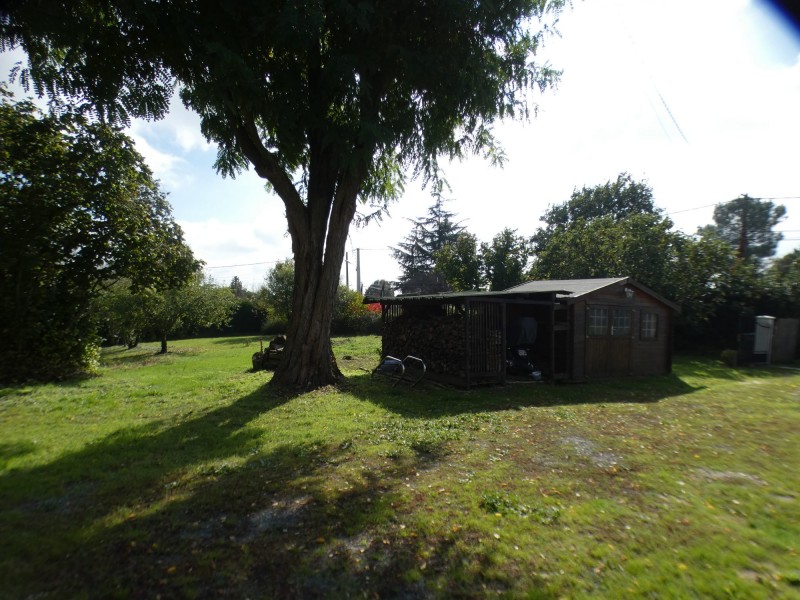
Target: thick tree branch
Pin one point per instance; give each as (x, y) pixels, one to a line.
(268, 167)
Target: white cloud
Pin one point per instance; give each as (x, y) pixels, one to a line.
(170, 169)
(246, 249)
(185, 127)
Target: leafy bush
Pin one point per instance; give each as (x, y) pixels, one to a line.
(78, 208)
(351, 315)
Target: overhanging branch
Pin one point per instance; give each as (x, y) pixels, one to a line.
(268, 167)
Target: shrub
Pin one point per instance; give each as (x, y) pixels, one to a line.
(351, 315)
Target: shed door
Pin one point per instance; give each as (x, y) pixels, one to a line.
(485, 341)
(608, 341)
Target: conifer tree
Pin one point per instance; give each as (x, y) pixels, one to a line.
(416, 253)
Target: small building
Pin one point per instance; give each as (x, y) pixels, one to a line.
(567, 330)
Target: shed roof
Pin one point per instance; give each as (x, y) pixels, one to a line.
(576, 288)
(573, 288)
(568, 289)
(456, 296)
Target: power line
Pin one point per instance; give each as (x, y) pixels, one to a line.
(649, 72)
(675, 212)
(269, 262)
(669, 112)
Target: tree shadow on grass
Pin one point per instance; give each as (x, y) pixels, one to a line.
(141, 355)
(201, 509)
(14, 450)
(429, 401)
(67, 498)
(243, 340)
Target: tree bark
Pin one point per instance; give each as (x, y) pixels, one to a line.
(308, 361)
(318, 228)
(163, 343)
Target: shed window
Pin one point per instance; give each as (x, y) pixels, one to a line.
(648, 329)
(621, 323)
(597, 323)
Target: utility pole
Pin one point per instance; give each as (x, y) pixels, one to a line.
(358, 269)
(742, 249)
(347, 270)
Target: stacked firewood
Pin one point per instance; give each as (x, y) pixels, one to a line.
(439, 340)
(268, 359)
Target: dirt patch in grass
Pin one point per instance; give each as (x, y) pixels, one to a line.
(588, 449)
(282, 515)
(729, 476)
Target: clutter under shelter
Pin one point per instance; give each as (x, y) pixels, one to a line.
(558, 330)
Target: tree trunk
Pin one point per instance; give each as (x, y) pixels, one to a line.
(163, 344)
(307, 360)
(318, 227)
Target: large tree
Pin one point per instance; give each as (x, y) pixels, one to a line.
(78, 210)
(614, 199)
(608, 230)
(459, 262)
(747, 224)
(636, 245)
(416, 254)
(328, 101)
(505, 260)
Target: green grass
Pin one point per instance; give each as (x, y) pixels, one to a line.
(184, 476)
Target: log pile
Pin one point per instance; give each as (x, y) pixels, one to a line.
(439, 340)
(268, 359)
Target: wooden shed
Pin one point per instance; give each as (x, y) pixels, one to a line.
(570, 330)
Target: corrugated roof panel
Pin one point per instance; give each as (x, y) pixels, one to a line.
(569, 289)
(575, 287)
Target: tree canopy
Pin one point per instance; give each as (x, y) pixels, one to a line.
(78, 210)
(237, 287)
(459, 262)
(130, 314)
(783, 278)
(275, 295)
(615, 200)
(747, 224)
(505, 260)
(616, 230)
(602, 231)
(329, 102)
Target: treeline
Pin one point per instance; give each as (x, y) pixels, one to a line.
(440, 255)
(90, 253)
(720, 275)
(202, 307)
(79, 210)
(269, 309)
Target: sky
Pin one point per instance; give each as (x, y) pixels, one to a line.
(698, 98)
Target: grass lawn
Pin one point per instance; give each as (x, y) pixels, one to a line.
(183, 476)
